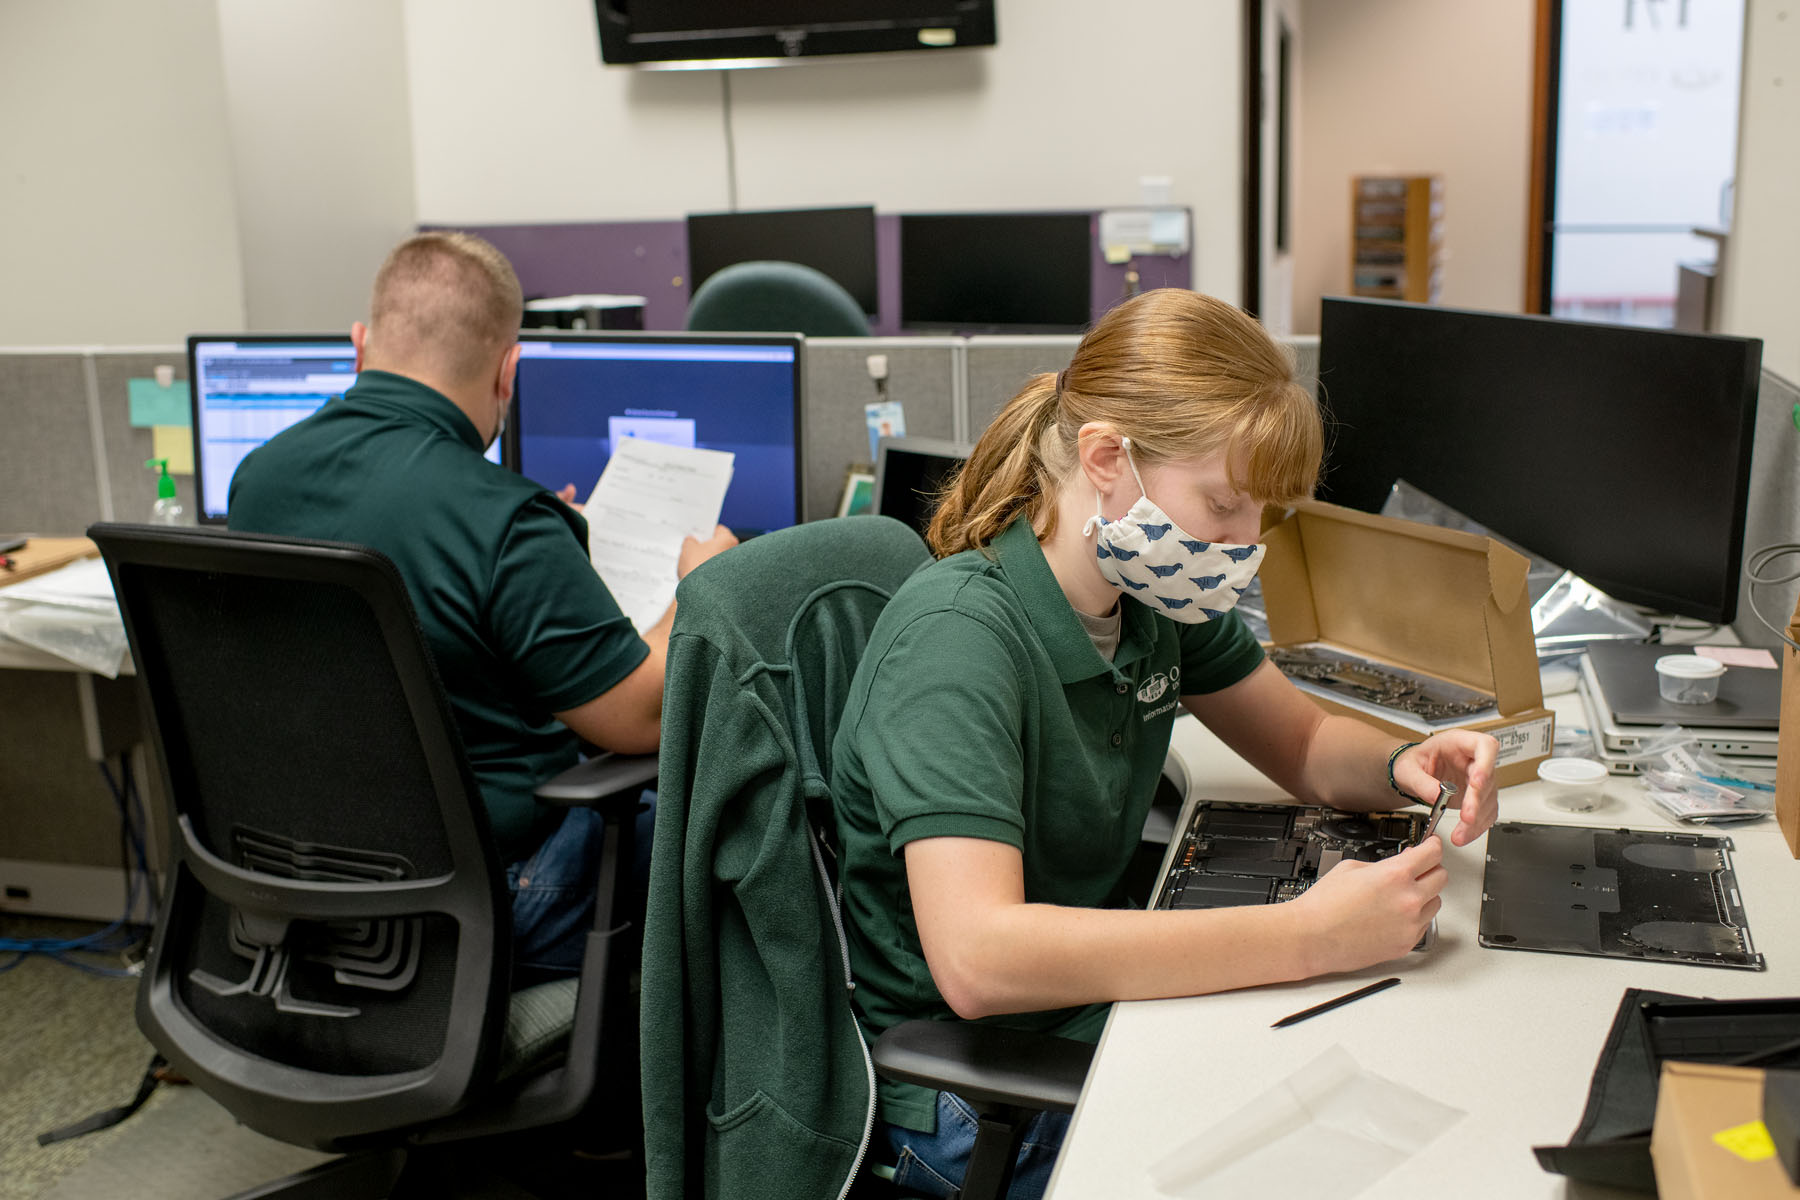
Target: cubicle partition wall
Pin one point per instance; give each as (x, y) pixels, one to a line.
(83, 460)
(1305, 348)
(924, 376)
(71, 457)
(1000, 365)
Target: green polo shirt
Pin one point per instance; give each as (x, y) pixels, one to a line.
(518, 622)
(982, 709)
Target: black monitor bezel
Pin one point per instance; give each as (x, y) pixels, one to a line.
(867, 290)
(1745, 384)
(509, 442)
(194, 342)
(790, 41)
(912, 322)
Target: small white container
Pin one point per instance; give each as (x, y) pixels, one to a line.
(1573, 784)
(1688, 678)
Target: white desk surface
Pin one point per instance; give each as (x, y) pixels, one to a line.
(1510, 1037)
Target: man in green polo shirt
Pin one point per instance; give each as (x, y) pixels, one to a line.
(531, 647)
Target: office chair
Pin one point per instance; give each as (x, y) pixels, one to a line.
(331, 956)
(756, 1078)
(781, 297)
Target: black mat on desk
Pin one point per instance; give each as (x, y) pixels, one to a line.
(1611, 1145)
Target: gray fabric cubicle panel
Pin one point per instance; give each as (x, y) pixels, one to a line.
(999, 366)
(1305, 347)
(127, 447)
(924, 377)
(47, 476)
(1772, 515)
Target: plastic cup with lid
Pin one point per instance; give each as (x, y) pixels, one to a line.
(1688, 678)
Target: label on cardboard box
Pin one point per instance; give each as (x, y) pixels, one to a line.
(1527, 739)
(1749, 1141)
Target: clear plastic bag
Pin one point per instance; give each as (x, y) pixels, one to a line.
(1691, 785)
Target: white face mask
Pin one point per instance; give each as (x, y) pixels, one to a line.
(1153, 560)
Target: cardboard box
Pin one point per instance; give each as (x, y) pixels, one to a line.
(1787, 747)
(1695, 1102)
(1438, 602)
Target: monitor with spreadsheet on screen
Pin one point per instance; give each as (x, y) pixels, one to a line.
(246, 388)
(1621, 454)
(576, 393)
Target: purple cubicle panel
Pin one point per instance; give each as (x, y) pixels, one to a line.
(649, 259)
(628, 258)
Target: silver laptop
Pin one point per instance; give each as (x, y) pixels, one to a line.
(1624, 675)
(1613, 738)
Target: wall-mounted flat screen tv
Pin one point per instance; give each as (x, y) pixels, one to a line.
(730, 33)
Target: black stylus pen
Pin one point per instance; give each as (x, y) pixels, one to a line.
(1316, 1009)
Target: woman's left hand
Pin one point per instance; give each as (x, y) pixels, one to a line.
(1460, 757)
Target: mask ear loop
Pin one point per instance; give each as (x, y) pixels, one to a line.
(1094, 522)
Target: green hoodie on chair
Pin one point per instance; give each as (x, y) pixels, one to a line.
(756, 1080)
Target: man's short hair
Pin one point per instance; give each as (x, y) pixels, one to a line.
(445, 301)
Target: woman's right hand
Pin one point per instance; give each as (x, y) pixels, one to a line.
(1361, 913)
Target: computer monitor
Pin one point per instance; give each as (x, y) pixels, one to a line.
(839, 242)
(910, 473)
(997, 272)
(1621, 454)
(247, 387)
(577, 392)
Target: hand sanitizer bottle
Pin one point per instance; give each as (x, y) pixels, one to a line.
(167, 510)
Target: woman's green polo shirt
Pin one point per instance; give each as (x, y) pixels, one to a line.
(982, 709)
(519, 624)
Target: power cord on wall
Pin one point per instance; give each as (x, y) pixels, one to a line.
(730, 142)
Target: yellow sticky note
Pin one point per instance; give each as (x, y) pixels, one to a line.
(175, 443)
(1749, 1141)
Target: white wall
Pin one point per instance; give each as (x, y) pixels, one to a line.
(516, 119)
(117, 218)
(321, 142)
(1417, 87)
(1763, 256)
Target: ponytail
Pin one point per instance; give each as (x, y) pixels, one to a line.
(1004, 476)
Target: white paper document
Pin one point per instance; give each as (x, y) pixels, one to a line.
(650, 496)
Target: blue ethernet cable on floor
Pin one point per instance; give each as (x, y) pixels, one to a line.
(118, 936)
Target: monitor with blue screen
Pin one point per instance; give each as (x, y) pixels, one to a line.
(577, 393)
(246, 388)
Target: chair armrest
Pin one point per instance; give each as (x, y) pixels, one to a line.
(986, 1063)
(592, 780)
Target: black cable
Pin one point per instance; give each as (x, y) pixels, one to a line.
(730, 142)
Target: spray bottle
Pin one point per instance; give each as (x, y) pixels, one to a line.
(167, 510)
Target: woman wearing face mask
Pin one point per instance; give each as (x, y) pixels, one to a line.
(1010, 716)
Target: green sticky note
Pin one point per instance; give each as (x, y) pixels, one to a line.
(154, 404)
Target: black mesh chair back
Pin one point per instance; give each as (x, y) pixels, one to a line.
(331, 955)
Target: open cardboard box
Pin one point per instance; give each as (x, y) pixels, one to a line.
(1438, 602)
(1787, 745)
(1695, 1101)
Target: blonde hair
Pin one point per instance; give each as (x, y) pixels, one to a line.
(447, 301)
(1183, 375)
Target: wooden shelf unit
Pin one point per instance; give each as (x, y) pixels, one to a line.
(1397, 237)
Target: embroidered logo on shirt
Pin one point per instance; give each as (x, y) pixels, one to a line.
(1158, 685)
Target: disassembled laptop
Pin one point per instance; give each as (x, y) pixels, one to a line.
(1338, 673)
